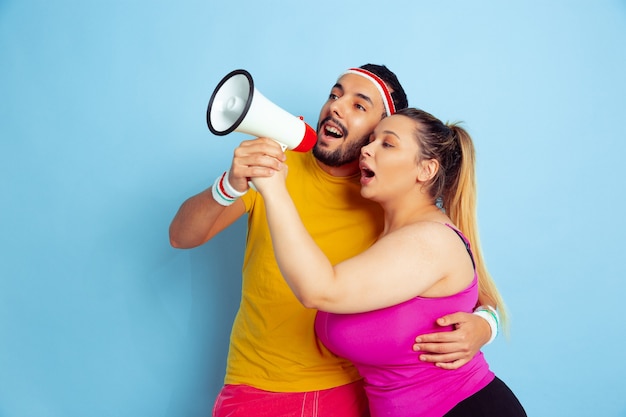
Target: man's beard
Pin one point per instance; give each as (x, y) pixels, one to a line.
(340, 156)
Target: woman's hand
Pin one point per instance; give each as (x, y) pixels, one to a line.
(259, 157)
(269, 183)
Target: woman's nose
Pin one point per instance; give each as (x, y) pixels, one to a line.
(367, 150)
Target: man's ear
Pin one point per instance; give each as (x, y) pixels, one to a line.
(427, 169)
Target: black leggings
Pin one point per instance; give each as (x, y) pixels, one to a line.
(496, 400)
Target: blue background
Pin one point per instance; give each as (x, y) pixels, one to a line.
(103, 135)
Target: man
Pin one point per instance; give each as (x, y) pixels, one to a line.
(276, 366)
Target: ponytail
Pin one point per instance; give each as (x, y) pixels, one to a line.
(459, 203)
(453, 188)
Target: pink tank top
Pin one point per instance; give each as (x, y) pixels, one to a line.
(380, 344)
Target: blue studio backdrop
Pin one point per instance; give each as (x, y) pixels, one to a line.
(103, 136)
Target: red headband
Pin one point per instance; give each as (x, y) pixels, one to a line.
(380, 85)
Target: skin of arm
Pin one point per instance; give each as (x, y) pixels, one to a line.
(355, 285)
(448, 350)
(200, 217)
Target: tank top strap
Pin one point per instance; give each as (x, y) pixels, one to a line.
(465, 241)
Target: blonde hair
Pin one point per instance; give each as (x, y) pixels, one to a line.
(460, 203)
(454, 186)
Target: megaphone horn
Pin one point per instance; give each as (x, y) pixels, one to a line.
(236, 106)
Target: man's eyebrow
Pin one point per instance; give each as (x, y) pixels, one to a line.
(360, 95)
(366, 98)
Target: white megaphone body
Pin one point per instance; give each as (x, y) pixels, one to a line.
(236, 106)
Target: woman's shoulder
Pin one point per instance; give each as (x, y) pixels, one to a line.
(430, 228)
(440, 237)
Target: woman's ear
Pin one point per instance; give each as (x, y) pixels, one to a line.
(427, 169)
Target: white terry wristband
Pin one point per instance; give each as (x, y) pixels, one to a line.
(491, 315)
(223, 192)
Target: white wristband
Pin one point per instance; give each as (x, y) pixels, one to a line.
(223, 192)
(491, 315)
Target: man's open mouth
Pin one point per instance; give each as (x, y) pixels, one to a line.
(333, 132)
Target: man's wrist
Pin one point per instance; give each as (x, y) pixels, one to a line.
(224, 193)
(490, 314)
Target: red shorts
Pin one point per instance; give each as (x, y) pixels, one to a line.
(244, 401)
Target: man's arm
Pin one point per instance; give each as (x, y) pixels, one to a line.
(453, 349)
(201, 217)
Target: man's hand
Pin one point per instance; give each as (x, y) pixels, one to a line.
(453, 349)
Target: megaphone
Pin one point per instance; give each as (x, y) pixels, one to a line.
(236, 106)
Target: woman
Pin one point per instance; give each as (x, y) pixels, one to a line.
(420, 268)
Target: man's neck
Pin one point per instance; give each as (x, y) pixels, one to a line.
(346, 170)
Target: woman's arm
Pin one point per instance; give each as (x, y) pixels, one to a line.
(383, 275)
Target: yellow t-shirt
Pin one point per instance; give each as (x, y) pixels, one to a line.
(273, 345)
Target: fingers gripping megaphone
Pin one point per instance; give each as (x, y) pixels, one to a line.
(237, 106)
